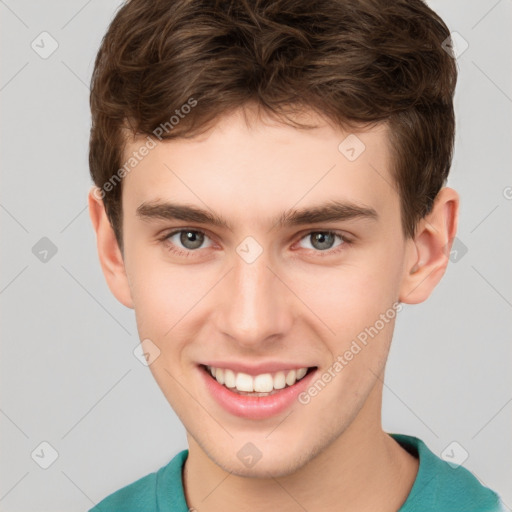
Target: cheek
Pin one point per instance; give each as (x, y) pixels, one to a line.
(357, 301)
(166, 295)
(353, 294)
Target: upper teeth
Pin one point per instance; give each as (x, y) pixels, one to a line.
(263, 383)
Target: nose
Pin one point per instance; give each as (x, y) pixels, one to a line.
(255, 305)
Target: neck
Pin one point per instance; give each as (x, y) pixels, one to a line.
(364, 469)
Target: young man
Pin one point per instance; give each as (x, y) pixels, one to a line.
(269, 189)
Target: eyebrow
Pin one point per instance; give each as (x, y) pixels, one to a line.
(327, 212)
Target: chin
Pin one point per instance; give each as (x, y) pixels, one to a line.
(267, 463)
(277, 468)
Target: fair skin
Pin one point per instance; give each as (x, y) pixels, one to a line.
(297, 302)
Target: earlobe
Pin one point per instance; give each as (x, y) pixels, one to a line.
(428, 252)
(109, 253)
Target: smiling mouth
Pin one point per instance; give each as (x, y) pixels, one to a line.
(279, 381)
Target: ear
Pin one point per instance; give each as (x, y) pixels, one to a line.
(109, 253)
(428, 252)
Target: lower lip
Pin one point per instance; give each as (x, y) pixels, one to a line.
(254, 407)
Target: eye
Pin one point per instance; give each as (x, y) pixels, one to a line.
(189, 239)
(323, 240)
(184, 242)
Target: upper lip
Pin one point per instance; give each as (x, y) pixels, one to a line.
(256, 369)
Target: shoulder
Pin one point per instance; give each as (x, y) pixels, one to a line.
(143, 494)
(139, 495)
(440, 485)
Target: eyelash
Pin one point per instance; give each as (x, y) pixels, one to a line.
(187, 253)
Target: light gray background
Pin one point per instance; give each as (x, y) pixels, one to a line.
(68, 373)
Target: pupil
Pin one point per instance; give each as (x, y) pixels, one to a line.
(322, 237)
(191, 239)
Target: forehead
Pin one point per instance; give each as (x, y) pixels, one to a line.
(257, 170)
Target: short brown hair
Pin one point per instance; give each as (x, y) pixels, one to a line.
(355, 62)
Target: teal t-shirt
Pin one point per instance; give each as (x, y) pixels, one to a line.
(438, 487)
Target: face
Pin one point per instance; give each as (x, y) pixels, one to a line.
(274, 285)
